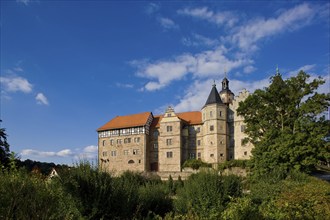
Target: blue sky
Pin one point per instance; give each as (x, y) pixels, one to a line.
(68, 67)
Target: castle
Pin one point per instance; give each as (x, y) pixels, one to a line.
(162, 143)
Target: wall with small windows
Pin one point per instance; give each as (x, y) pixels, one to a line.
(123, 151)
(241, 150)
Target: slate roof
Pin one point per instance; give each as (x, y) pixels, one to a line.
(214, 96)
(126, 121)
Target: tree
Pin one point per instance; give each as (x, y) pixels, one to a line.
(4, 147)
(285, 124)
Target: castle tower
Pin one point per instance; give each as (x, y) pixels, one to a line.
(227, 96)
(170, 142)
(214, 117)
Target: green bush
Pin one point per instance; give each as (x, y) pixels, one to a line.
(92, 190)
(206, 194)
(153, 198)
(25, 196)
(233, 163)
(195, 164)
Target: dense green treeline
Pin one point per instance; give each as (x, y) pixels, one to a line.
(84, 192)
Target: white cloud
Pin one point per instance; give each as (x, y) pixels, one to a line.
(25, 2)
(249, 69)
(196, 95)
(204, 64)
(124, 85)
(306, 68)
(88, 152)
(90, 149)
(152, 8)
(220, 18)
(42, 99)
(247, 35)
(62, 153)
(167, 23)
(16, 84)
(199, 40)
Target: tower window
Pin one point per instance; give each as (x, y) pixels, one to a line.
(211, 114)
(155, 145)
(168, 141)
(245, 153)
(220, 113)
(243, 127)
(169, 128)
(103, 143)
(169, 154)
(212, 128)
(198, 142)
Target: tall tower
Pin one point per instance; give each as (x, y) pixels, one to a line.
(214, 117)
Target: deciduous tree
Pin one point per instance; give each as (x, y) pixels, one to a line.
(285, 123)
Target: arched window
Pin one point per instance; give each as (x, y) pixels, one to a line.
(131, 161)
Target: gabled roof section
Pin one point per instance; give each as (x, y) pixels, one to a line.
(191, 118)
(126, 121)
(213, 97)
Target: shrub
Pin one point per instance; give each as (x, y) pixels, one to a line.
(232, 163)
(24, 196)
(195, 164)
(92, 190)
(206, 194)
(153, 198)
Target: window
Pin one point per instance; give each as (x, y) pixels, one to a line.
(242, 142)
(169, 115)
(168, 141)
(192, 156)
(156, 133)
(245, 153)
(104, 154)
(111, 142)
(243, 127)
(156, 155)
(169, 128)
(212, 128)
(169, 154)
(125, 152)
(113, 153)
(137, 140)
(127, 140)
(135, 151)
(155, 145)
(220, 113)
(198, 142)
(131, 161)
(221, 155)
(211, 155)
(198, 129)
(221, 142)
(103, 143)
(118, 141)
(211, 114)
(139, 161)
(199, 155)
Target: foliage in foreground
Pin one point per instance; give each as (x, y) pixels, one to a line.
(27, 196)
(195, 164)
(86, 193)
(285, 125)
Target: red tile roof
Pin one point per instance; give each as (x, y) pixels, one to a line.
(191, 118)
(126, 121)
